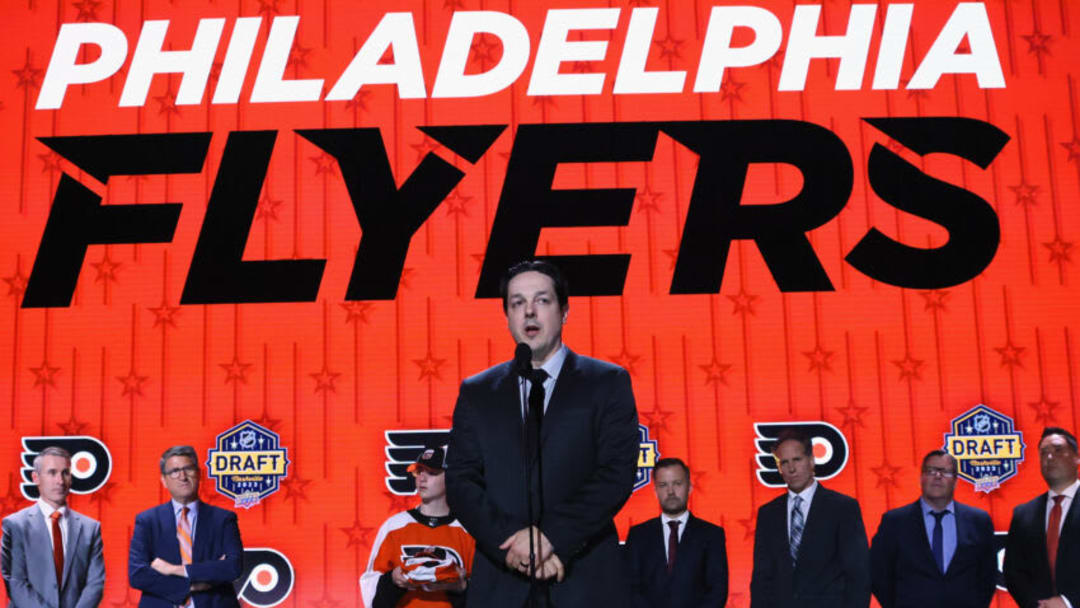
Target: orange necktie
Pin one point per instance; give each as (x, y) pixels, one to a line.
(183, 534)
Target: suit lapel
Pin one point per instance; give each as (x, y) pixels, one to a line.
(564, 386)
(39, 546)
(812, 522)
(917, 526)
(74, 533)
(1072, 519)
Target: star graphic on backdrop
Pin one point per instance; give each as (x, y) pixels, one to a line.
(298, 57)
(236, 370)
(715, 371)
(731, 89)
(886, 474)
(429, 367)
(357, 312)
(483, 50)
(1060, 250)
(934, 299)
(358, 536)
(640, 2)
(398, 503)
(128, 600)
(50, 162)
(295, 487)
(268, 207)
(582, 67)
(749, 524)
(699, 481)
(167, 104)
(88, 10)
(452, 5)
(915, 94)
(626, 360)
(215, 71)
(324, 163)
(28, 76)
(165, 314)
(425, 146)
(909, 367)
(547, 101)
(669, 47)
(16, 284)
(267, 422)
(645, 199)
(74, 426)
(1010, 354)
(325, 601)
(819, 358)
(103, 495)
(1025, 193)
(106, 269)
(852, 414)
(656, 419)
(743, 302)
(457, 203)
(673, 257)
(406, 276)
(268, 8)
(1038, 43)
(45, 374)
(1073, 147)
(132, 384)
(358, 101)
(1044, 410)
(324, 379)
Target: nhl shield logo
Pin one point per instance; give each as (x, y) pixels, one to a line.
(987, 447)
(247, 463)
(647, 457)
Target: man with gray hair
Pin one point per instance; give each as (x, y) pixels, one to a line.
(52, 556)
(165, 562)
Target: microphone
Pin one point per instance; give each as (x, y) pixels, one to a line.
(523, 359)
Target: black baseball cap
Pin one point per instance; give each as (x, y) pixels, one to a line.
(430, 458)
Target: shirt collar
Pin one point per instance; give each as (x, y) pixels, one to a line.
(47, 509)
(555, 362)
(926, 508)
(193, 508)
(807, 494)
(682, 519)
(1069, 491)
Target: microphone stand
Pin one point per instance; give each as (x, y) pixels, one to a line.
(527, 469)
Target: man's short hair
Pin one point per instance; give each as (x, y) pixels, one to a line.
(562, 288)
(52, 450)
(794, 434)
(1057, 430)
(178, 450)
(933, 453)
(672, 462)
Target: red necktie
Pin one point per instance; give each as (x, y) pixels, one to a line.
(673, 542)
(1053, 530)
(58, 548)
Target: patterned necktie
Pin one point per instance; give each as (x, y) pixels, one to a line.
(1053, 531)
(937, 545)
(58, 548)
(796, 529)
(672, 543)
(183, 535)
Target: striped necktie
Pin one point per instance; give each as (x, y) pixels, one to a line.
(183, 535)
(796, 529)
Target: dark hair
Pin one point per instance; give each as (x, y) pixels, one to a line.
(933, 453)
(672, 462)
(179, 450)
(52, 450)
(794, 434)
(562, 288)
(1057, 430)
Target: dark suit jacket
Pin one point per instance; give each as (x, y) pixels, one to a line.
(26, 561)
(216, 534)
(834, 560)
(590, 449)
(903, 568)
(700, 575)
(1027, 568)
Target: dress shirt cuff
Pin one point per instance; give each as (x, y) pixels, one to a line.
(184, 569)
(1066, 601)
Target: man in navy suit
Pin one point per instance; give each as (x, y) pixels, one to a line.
(810, 547)
(589, 442)
(1037, 575)
(934, 552)
(185, 552)
(676, 560)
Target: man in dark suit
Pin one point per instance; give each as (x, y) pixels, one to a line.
(676, 560)
(185, 552)
(810, 545)
(589, 443)
(935, 552)
(52, 556)
(1042, 553)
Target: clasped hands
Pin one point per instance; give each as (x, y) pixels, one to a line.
(169, 569)
(548, 565)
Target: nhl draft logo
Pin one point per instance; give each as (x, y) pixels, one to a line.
(648, 454)
(829, 444)
(91, 462)
(248, 463)
(987, 447)
(403, 447)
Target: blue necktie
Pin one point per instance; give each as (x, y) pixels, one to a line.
(937, 545)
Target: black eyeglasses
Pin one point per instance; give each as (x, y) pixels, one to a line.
(939, 472)
(190, 470)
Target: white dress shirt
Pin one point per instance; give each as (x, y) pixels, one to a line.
(666, 530)
(47, 511)
(807, 495)
(552, 366)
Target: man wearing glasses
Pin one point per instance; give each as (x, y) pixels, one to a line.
(185, 549)
(934, 552)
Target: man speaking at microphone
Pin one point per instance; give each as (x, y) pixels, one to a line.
(570, 469)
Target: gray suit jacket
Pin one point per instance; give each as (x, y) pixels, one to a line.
(27, 562)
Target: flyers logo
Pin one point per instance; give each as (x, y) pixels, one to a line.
(267, 578)
(999, 550)
(830, 449)
(402, 449)
(91, 462)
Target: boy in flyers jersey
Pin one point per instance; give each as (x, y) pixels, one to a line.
(421, 557)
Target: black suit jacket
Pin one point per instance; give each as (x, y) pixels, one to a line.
(700, 576)
(834, 563)
(590, 449)
(1027, 568)
(903, 568)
